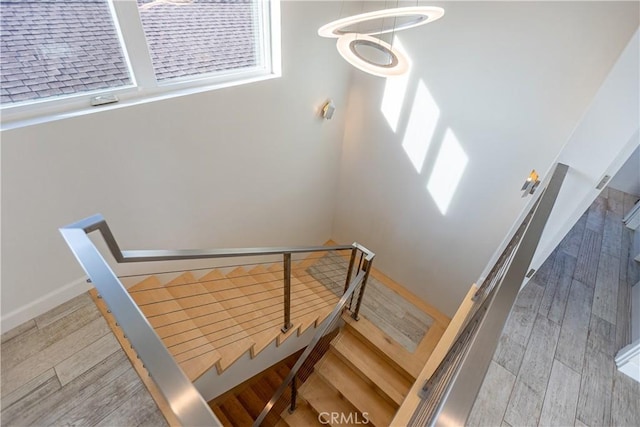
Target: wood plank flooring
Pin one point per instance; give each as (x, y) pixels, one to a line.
(67, 368)
(389, 311)
(554, 365)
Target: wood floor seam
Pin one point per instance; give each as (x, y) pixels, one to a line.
(593, 321)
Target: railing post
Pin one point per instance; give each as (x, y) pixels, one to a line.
(287, 292)
(366, 266)
(359, 269)
(352, 261)
(294, 395)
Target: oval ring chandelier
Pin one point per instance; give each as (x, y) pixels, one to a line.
(347, 31)
(421, 15)
(348, 44)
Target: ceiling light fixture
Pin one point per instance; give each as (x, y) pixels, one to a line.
(354, 37)
(403, 18)
(395, 62)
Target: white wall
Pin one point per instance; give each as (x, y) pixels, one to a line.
(507, 83)
(602, 141)
(250, 165)
(628, 177)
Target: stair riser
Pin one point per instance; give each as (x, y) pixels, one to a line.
(357, 392)
(366, 379)
(389, 360)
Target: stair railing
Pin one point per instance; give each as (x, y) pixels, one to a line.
(353, 286)
(449, 394)
(183, 398)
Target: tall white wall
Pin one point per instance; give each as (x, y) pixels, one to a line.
(250, 165)
(501, 86)
(603, 140)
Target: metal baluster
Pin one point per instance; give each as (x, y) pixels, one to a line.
(287, 292)
(294, 395)
(358, 270)
(352, 261)
(367, 268)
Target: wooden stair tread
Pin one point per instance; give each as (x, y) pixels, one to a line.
(150, 282)
(354, 389)
(308, 308)
(323, 298)
(276, 284)
(311, 259)
(265, 326)
(306, 305)
(261, 274)
(264, 389)
(251, 402)
(273, 378)
(207, 313)
(303, 416)
(365, 361)
(277, 270)
(156, 302)
(184, 340)
(282, 371)
(221, 415)
(322, 398)
(318, 288)
(391, 350)
(236, 413)
(234, 341)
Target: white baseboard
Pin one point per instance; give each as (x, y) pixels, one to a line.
(43, 304)
(628, 360)
(632, 218)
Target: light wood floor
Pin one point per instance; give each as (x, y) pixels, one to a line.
(393, 314)
(66, 368)
(555, 362)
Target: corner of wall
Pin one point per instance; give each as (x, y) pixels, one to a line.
(42, 304)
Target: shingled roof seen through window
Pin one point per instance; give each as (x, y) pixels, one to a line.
(53, 48)
(56, 47)
(192, 37)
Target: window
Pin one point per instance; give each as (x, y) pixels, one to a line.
(60, 55)
(49, 50)
(189, 39)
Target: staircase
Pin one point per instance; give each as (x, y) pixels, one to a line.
(206, 320)
(182, 324)
(212, 319)
(243, 404)
(363, 379)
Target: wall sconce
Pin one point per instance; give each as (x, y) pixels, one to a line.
(327, 110)
(531, 184)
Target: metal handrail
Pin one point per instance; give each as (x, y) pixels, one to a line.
(181, 395)
(337, 311)
(448, 396)
(98, 223)
(183, 398)
(498, 270)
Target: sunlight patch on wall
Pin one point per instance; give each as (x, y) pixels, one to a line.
(422, 124)
(395, 90)
(447, 172)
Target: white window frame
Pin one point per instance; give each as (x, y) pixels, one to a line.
(145, 87)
